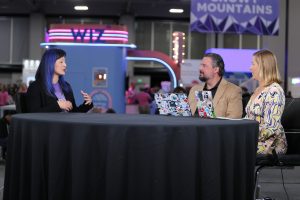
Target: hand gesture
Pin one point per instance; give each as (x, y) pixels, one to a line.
(65, 105)
(87, 98)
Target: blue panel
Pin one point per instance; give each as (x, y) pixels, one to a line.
(242, 64)
(80, 63)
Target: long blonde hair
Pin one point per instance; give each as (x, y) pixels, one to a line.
(268, 68)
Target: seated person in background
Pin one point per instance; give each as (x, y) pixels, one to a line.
(153, 107)
(22, 88)
(110, 110)
(143, 99)
(4, 96)
(227, 97)
(130, 94)
(50, 92)
(266, 104)
(179, 89)
(96, 109)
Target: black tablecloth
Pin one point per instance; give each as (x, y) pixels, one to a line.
(135, 157)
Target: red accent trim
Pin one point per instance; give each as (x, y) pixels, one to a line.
(156, 54)
(88, 26)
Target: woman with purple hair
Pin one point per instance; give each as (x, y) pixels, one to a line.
(50, 92)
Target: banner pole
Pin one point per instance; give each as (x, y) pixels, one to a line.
(286, 47)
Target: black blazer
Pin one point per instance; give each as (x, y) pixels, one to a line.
(38, 101)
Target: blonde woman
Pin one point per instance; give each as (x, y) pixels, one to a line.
(266, 104)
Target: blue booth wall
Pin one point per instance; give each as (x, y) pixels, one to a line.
(80, 63)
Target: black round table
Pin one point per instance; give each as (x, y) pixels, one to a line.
(133, 157)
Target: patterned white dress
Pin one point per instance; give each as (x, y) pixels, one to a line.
(267, 108)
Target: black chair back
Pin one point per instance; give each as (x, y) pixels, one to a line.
(291, 114)
(245, 99)
(20, 101)
(293, 141)
(291, 123)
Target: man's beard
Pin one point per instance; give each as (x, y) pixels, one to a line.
(202, 78)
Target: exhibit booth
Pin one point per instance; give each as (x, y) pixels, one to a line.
(97, 61)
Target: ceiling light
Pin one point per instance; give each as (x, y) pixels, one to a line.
(176, 10)
(81, 7)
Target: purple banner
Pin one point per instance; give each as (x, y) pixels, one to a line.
(260, 17)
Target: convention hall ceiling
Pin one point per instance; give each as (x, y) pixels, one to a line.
(137, 8)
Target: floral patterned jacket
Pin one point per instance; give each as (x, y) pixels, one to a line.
(267, 109)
